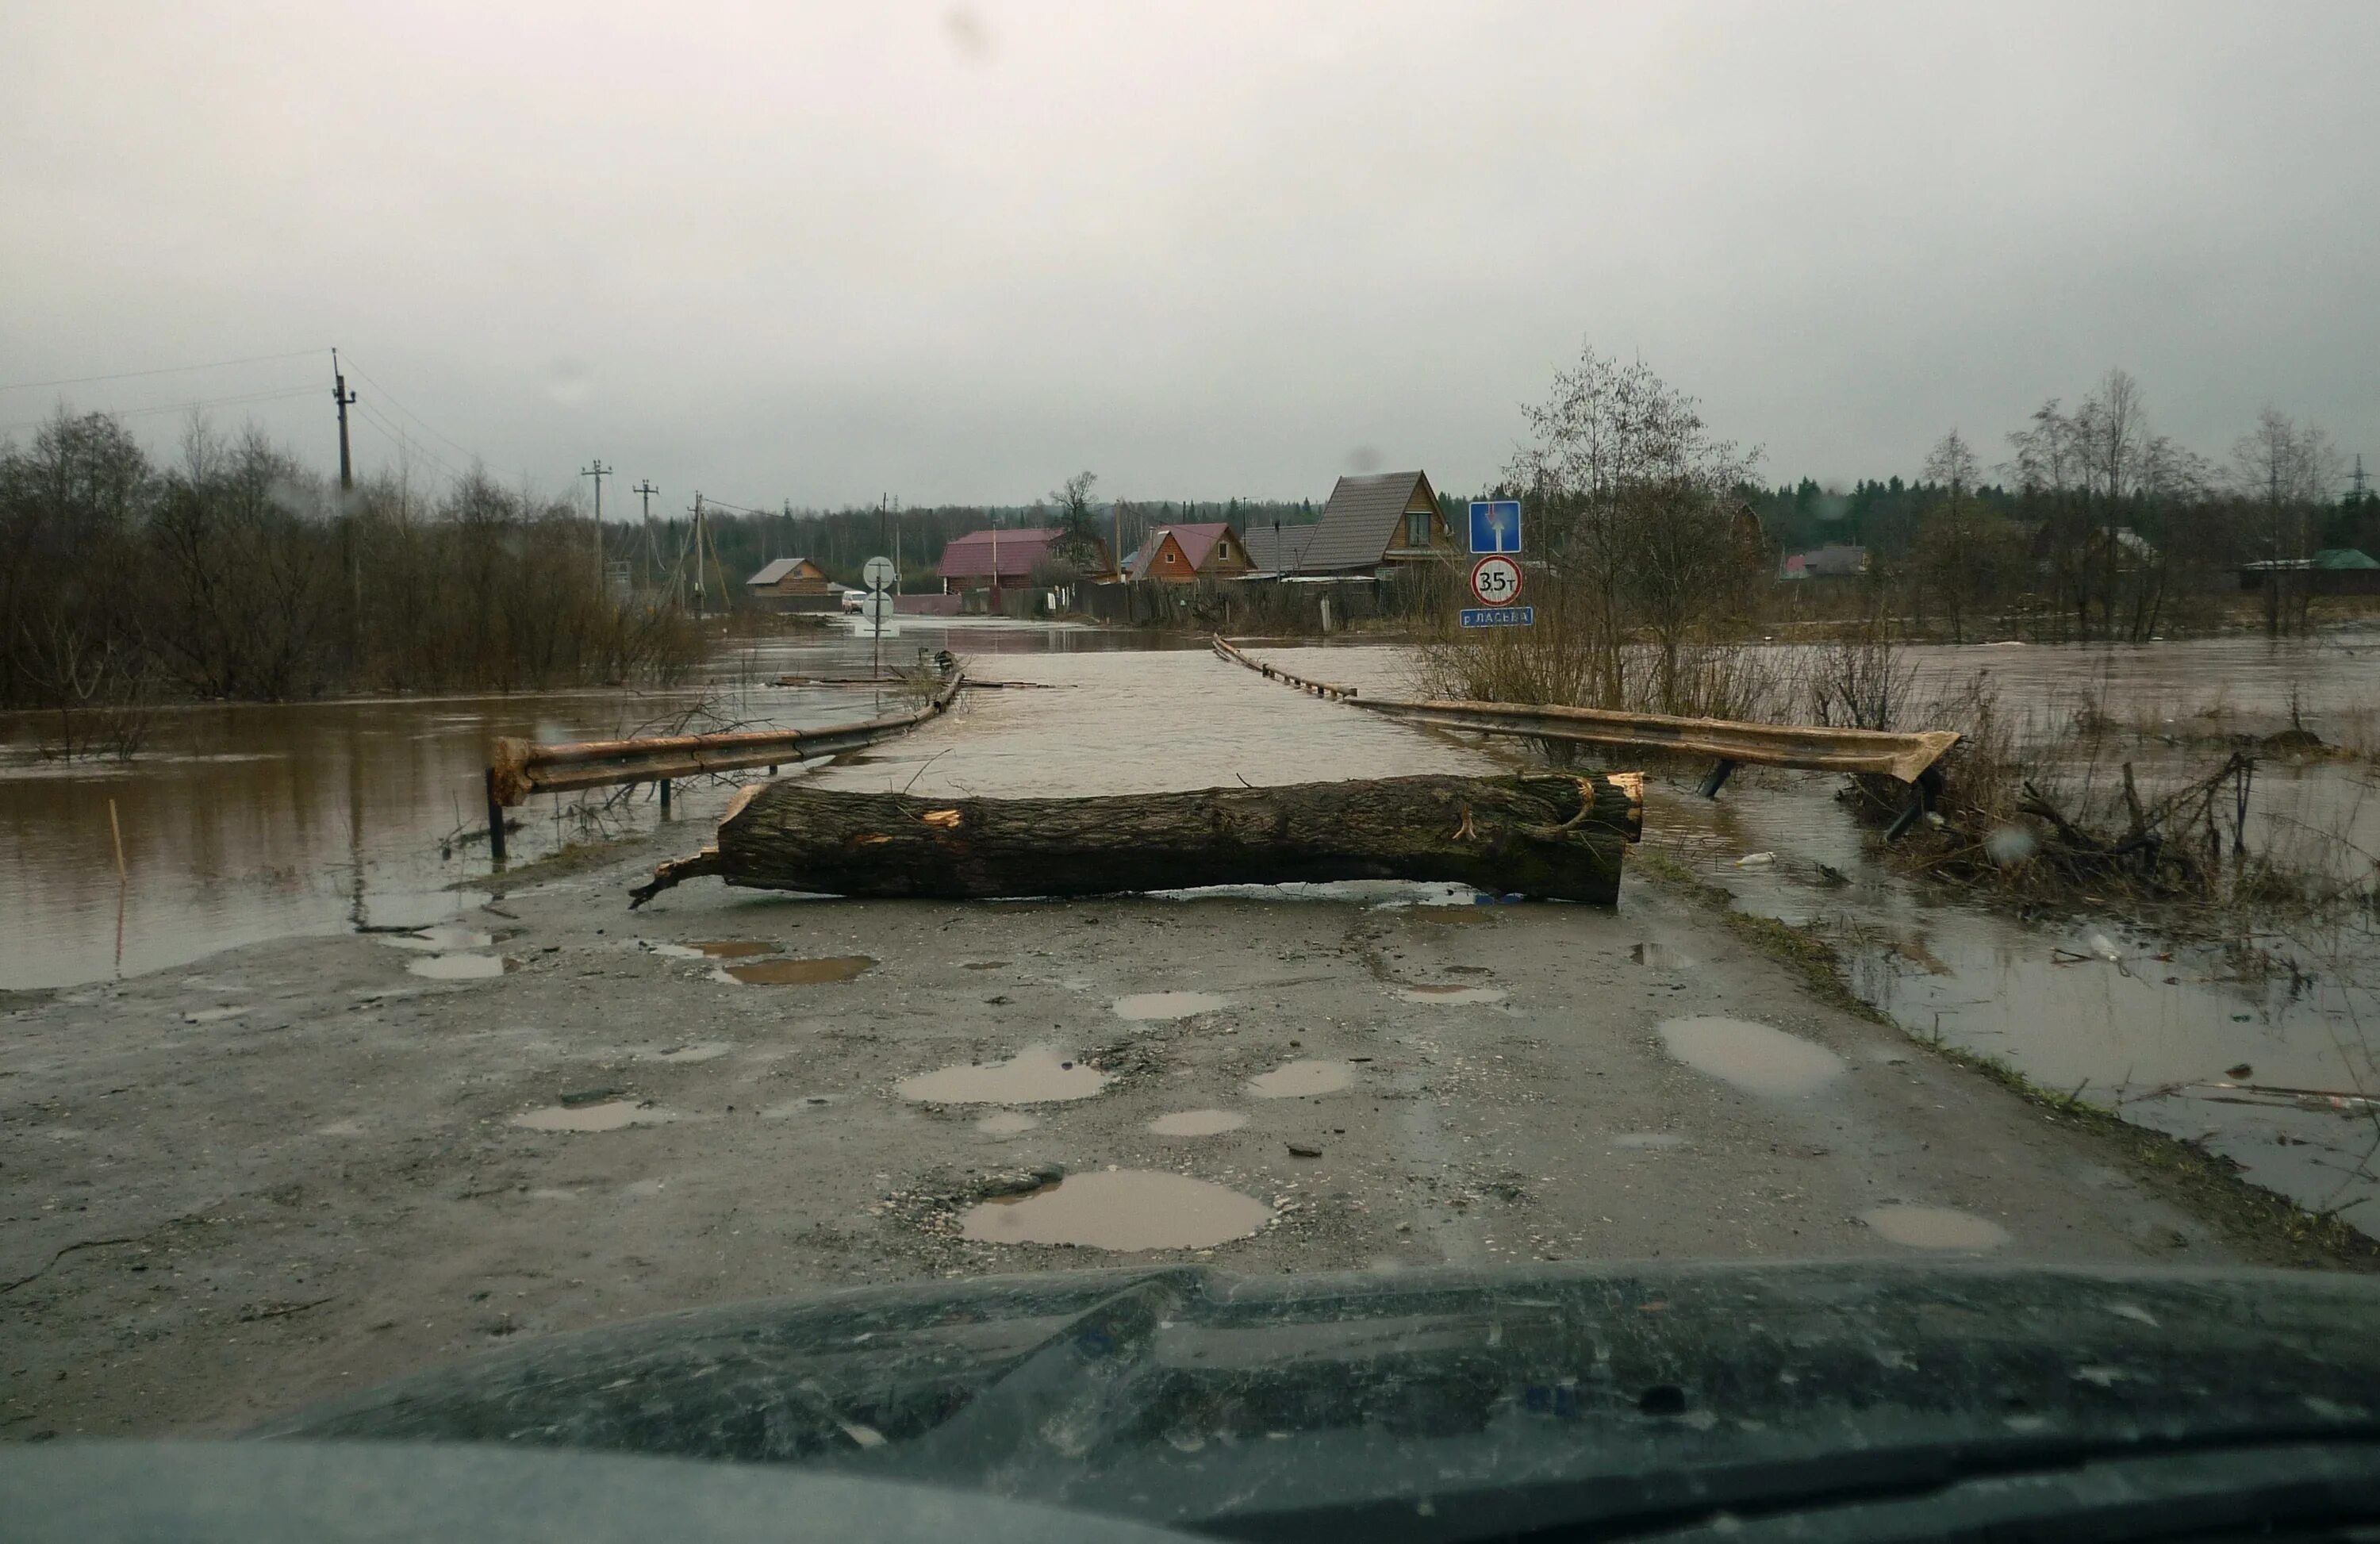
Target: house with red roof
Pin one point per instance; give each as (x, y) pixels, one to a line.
(1186, 554)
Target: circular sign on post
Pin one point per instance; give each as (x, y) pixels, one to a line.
(875, 608)
(879, 575)
(1495, 580)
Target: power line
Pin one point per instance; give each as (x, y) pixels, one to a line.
(169, 370)
(390, 398)
(405, 441)
(276, 395)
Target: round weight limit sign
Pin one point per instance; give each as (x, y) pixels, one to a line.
(1495, 580)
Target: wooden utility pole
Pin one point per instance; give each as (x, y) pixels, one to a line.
(599, 472)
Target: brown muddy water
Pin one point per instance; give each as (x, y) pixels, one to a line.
(1122, 1210)
(799, 973)
(1036, 1075)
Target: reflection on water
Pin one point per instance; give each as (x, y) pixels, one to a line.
(1036, 1075)
(249, 822)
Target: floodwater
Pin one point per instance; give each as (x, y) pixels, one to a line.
(1754, 1057)
(1198, 1123)
(1935, 1227)
(1121, 1209)
(244, 823)
(1036, 1075)
(800, 973)
(1303, 1077)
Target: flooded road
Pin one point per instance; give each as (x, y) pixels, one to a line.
(245, 821)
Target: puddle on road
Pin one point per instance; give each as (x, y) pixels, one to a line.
(1036, 1075)
(611, 1116)
(1659, 956)
(1935, 1227)
(215, 1015)
(1008, 1122)
(800, 973)
(714, 949)
(693, 1051)
(1297, 1079)
(1754, 1057)
(444, 937)
(1150, 1005)
(1121, 1209)
(983, 964)
(1198, 1123)
(459, 967)
(1451, 995)
(1648, 1140)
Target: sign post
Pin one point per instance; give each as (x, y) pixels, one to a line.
(878, 575)
(1496, 573)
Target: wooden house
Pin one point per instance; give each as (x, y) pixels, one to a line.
(1185, 553)
(793, 584)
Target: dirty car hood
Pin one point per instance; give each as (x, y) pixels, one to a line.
(1438, 1403)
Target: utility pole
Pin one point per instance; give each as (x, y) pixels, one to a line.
(346, 399)
(599, 472)
(645, 491)
(699, 613)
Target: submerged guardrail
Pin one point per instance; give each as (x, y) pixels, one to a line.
(1907, 756)
(521, 768)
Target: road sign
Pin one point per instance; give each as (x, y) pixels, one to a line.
(875, 608)
(1496, 524)
(1495, 580)
(880, 575)
(1499, 616)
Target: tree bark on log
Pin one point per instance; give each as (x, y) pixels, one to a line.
(1548, 837)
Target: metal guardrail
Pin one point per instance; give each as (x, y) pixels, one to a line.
(521, 768)
(1908, 757)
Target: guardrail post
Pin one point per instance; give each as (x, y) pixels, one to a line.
(495, 821)
(1717, 778)
(665, 791)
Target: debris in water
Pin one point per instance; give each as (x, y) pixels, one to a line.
(613, 1117)
(1198, 1123)
(1168, 1004)
(800, 973)
(1935, 1227)
(1121, 1209)
(2241, 1070)
(1036, 1075)
(2010, 846)
(1755, 860)
(459, 967)
(1299, 1078)
(1754, 1057)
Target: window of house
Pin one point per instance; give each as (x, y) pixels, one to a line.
(1417, 527)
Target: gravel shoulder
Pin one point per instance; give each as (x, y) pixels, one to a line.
(300, 1167)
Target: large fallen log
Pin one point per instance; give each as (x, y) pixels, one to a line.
(1557, 837)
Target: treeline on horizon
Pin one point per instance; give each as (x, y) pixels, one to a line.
(236, 570)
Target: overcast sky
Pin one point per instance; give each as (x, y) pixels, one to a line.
(953, 254)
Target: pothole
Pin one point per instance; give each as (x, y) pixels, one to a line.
(1296, 1079)
(1008, 1122)
(800, 973)
(715, 949)
(1036, 1075)
(1198, 1123)
(613, 1116)
(1935, 1227)
(1752, 1057)
(444, 937)
(1168, 1004)
(1122, 1210)
(1451, 995)
(459, 967)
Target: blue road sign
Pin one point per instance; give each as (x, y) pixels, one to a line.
(1496, 526)
(1499, 616)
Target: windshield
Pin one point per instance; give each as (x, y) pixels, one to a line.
(652, 662)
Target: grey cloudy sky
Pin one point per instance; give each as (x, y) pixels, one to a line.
(954, 254)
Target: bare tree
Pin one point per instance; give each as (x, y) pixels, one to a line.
(1078, 534)
(2285, 468)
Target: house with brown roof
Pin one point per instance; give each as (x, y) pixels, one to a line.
(793, 584)
(1008, 558)
(1372, 526)
(1185, 553)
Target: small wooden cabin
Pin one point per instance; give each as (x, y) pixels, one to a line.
(793, 584)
